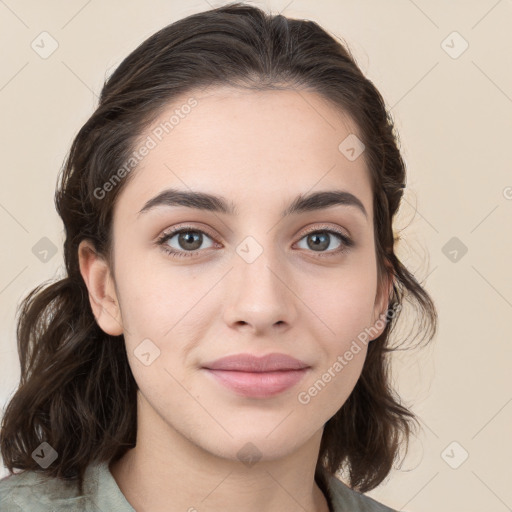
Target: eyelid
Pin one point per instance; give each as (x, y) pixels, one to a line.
(311, 229)
(185, 226)
(326, 227)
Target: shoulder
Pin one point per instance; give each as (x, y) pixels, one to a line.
(35, 491)
(345, 498)
(38, 492)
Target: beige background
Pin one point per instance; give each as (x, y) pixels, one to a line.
(454, 116)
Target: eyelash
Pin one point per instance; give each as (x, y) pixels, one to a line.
(347, 242)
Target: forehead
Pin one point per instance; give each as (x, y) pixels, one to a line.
(241, 143)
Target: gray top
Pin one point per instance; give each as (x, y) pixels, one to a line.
(35, 492)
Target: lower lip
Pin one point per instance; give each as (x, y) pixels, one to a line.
(258, 385)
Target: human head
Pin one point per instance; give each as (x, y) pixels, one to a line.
(233, 45)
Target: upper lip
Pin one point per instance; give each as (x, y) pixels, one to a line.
(251, 363)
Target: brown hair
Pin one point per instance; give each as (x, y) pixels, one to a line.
(77, 391)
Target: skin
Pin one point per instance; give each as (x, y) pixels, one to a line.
(259, 150)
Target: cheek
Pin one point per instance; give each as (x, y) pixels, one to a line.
(163, 315)
(345, 310)
(328, 389)
(343, 303)
(152, 298)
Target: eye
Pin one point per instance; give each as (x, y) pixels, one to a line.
(189, 240)
(320, 239)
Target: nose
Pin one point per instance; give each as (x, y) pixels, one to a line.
(259, 294)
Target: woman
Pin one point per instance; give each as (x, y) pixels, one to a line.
(222, 338)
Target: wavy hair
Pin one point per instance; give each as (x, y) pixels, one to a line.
(76, 390)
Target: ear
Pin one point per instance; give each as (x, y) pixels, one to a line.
(102, 293)
(382, 300)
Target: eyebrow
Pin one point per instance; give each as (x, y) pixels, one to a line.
(213, 203)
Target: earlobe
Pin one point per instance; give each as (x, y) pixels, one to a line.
(102, 293)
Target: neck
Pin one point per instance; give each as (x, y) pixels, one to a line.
(167, 472)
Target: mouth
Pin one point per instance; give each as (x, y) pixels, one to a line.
(255, 376)
(258, 384)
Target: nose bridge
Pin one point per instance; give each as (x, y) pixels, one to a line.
(257, 266)
(258, 292)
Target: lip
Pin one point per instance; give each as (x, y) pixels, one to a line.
(250, 363)
(257, 377)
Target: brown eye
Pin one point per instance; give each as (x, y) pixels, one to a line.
(321, 240)
(188, 242)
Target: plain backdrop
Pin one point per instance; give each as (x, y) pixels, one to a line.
(445, 71)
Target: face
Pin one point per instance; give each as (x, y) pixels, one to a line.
(248, 281)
